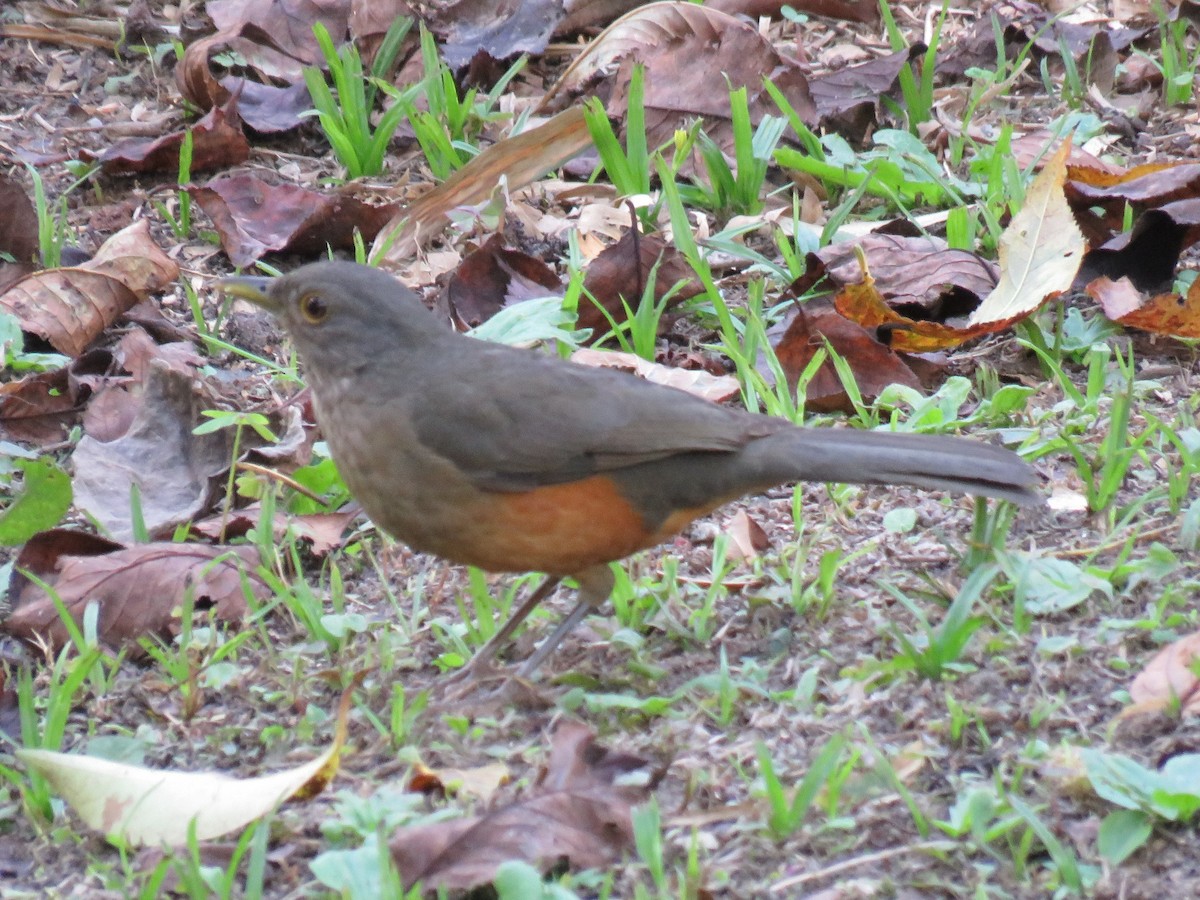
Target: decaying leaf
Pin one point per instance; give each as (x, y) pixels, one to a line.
(693, 55)
(620, 273)
(716, 388)
(172, 468)
(518, 160)
(579, 811)
(479, 783)
(70, 307)
(747, 538)
(874, 364)
(154, 807)
(217, 143)
(1170, 678)
(1040, 250)
(138, 589)
(254, 217)
(1167, 313)
(470, 27)
(492, 277)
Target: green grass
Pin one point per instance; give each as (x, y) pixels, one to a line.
(879, 697)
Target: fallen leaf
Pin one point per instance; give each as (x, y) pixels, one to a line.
(861, 303)
(716, 388)
(1170, 678)
(579, 811)
(518, 160)
(172, 468)
(19, 224)
(874, 364)
(1167, 313)
(619, 275)
(1040, 250)
(846, 99)
(920, 277)
(153, 807)
(217, 143)
(467, 27)
(693, 56)
(479, 783)
(746, 537)
(490, 278)
(254, 217)
(138, 589)
(38, 409)
(70, 307)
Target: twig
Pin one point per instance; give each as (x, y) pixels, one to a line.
(865, 860)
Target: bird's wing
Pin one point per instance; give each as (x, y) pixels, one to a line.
(512, 419)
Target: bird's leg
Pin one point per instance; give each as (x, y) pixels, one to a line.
(481, 663)
(595, 584)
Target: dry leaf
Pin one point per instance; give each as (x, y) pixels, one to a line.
(174, 470)
(70, 307)
(1167, 313)
(518, 160)
(154, 807)
(1169, 678)
(1040, 250)
(138, 589)
(716, 388)
(578, 812)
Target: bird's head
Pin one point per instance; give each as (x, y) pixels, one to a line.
(336, 311)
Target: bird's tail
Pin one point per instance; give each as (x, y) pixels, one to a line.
(883, 457)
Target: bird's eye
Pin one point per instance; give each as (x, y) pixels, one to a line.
(314, 308)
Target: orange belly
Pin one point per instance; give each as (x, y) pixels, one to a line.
(561, 529)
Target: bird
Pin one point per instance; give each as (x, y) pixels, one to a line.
(514, 460)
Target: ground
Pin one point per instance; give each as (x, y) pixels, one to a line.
(709, 662)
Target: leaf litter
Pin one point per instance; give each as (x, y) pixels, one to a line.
(754, 617)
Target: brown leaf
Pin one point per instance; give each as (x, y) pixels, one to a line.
(111, 412)
(289, 23)
(862, 304)
(69, 308)
(716, 388)
(490, 278)
(579, 812)
(19, 224)
(138, 589)
(746, 537)
(519, 160)
(267, 108)
(39, 408)
(1169, 678)
(1167, 313)
(693, 56)
(921, 276)
(136, 351)
(874, 365)
(479, 782)
(173, 469)
(837, 95)
(467, 27)
(193, 76)
(217, 143)
(621, 272)
(254, 218)
(323, 531)
(1145, 186)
